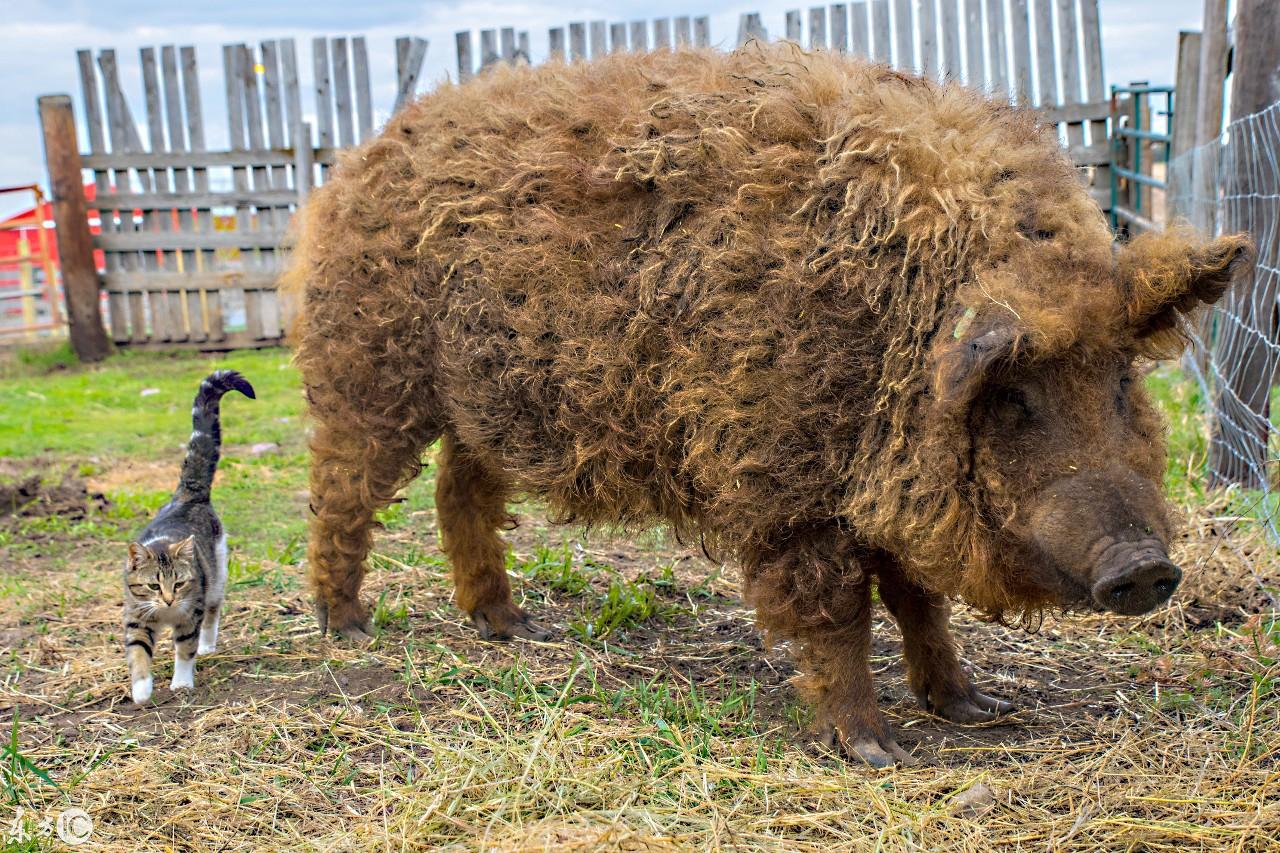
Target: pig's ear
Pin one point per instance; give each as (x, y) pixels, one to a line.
(974, 345)
(1167, 275)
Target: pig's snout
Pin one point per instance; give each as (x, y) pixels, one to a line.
(1143, 578)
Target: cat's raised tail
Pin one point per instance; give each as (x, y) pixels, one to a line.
(206, 434)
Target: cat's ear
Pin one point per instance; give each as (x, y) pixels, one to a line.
(184, 551)
(138, 555)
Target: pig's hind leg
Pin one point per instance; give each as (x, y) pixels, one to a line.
(814, 591)
(471, 506)
(939, 682)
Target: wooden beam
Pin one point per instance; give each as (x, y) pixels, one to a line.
(1250, 360)
(1183, 133)
(1213, 74)
(71, 216)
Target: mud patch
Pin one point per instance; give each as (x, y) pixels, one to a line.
(137, 476)
(33, 497)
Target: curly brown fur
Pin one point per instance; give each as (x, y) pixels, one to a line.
(769, 298)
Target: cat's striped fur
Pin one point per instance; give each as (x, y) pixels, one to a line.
(176, 575)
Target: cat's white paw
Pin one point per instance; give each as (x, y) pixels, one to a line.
(208, 639)
(184, 675)
(142, 690)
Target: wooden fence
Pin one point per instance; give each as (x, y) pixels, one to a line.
(194, 239)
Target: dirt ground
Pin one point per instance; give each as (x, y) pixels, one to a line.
(654, 720)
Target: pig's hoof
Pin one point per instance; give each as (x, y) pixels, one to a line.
(505, 622)
(350, 622)
(876, 750)
(974, 708)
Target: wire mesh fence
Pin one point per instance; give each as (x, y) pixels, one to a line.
(1230, 185)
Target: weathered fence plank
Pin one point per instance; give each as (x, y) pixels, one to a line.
(928, 25)
(905, 28)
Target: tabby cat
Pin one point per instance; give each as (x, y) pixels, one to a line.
(177, 570)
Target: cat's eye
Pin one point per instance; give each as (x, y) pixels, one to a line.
(154, 586)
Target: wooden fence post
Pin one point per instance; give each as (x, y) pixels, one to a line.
(1213, 74)
(71, 216)
(1186, 91)
(1250, 359)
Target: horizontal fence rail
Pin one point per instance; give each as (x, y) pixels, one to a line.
(194, 237)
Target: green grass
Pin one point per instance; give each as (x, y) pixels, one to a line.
(101, 409)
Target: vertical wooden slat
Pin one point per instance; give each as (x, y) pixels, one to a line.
(233, 61)
(364, 91)
(905, 30)
(880, 30)
(117, 302)
(211, 301)
(555, 37)
(324, 90)
(599, 39)
(794, 26)
(639, 36)
(158, 302)
(662, 34)
(488, 48)
(124, 133)
(929, 63)
(577, 41)
(975, 65)
(173, 112)
(409, 58)
(1185, 86)
(507, 43)
(617, 37)
(840, 27)
(166, 306)
(702, 31)
(1046, 68)
(466, 66)
(1069, 53)
(952, 68)
(303, 165)
(1020, 36)
(859, 31)
(751, 27)
(1095, 86)
(190, 300)
(124, 137)
(998, 45)
(289, 83)
(342, 92)
(255, 321)
(817, 28)
(278, 176)
(274, 100)
(684, 31)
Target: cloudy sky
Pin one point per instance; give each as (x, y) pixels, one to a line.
(39, 38)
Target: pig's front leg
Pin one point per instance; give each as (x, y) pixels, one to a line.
(814, 592)
(933, 669)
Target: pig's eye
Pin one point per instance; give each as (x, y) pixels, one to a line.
(1011, 404)
(1122, 398)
